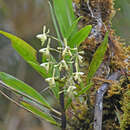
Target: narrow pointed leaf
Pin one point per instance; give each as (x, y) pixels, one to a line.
(39, 106)
(73, 29)
(39, 113)
(84, 90)
(55, 22)
(56, 90)
(22, 88)
(23, 48)
(64, 14)
(27, 52)
(69, 101)
(97, 58)
(80, 36)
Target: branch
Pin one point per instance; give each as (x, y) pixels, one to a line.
(99, 101)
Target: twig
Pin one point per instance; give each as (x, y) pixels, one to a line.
(99, 101)
(103, 80)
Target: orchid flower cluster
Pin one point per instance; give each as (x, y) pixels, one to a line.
(67, 69)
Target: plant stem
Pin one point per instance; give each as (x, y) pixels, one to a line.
(63, 116)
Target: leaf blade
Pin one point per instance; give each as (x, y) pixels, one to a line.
(97, 58)
(27, 52)
(80, 36)
(54, 21)
(64, 14)
(22, 88)
(83, 90)
(73, 29)
(23, 48)
(39, 113)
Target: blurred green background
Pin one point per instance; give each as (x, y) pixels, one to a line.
(121, 21)
(25, 18)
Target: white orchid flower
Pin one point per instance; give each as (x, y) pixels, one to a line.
(51, 81)
(43, 36)
(45, 65)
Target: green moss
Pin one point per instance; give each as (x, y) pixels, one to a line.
(125, 119)
(116, 106)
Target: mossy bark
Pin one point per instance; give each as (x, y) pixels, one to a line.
(116, 108)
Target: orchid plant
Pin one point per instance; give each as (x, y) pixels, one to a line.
(63, 74)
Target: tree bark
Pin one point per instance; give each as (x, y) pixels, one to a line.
(99, 101)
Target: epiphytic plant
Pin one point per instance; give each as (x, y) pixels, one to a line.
(63, 74)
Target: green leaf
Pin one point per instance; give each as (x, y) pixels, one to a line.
(84, 90)
(22, 88)
(42, 71)
(27, 52)
(64, 14)
(23, 48)
(55, 22)
(80, 36)
(56, 90)
(97, 58)
(69, 101)
(39, 113)
(73, 29)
